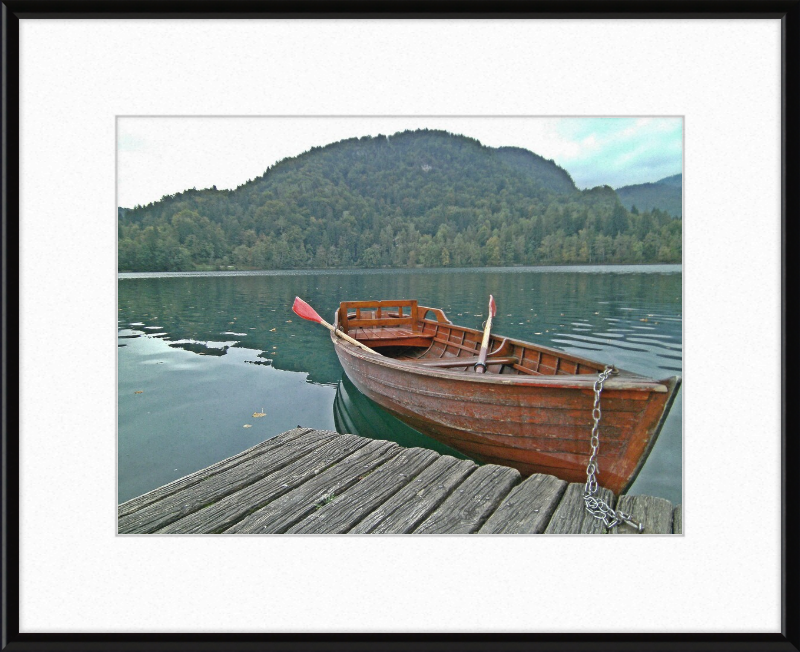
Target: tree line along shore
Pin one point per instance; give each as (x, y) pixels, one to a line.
(423, 198)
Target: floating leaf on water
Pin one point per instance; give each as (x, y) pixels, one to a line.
(247, 425)
(139, 391)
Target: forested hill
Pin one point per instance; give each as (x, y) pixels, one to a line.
(416, 198)
(675, 180)
(665, 194)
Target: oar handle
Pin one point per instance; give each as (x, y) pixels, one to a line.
(346, 337)
(480, 365)
(486, 335)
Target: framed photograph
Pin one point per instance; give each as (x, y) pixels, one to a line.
(167, 116)
(561, 278)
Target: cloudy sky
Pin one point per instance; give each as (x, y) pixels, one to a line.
(163, 155)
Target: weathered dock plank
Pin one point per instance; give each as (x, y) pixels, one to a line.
(194, 497)
(308, 481)
(654, 513)
(150, 497)
(279, 515)
(475, 499)
(234, 507)
(677, 520)
(528, 508)
(344, 513)
(571, 517)
(403, 512)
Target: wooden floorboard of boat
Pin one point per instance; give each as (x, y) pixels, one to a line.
(308, 481)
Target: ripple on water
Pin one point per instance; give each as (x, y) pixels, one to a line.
(592, 312)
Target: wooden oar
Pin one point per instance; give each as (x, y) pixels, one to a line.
(302, 309)
(480, 365)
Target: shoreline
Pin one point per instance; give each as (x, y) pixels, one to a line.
(670, 268)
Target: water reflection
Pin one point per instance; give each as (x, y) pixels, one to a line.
(631, 317)
(355, 413)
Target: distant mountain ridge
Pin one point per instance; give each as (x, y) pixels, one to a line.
(675, 180)
(665, 194)
(416, 198)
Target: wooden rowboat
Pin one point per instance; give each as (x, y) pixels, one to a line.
(531, 409)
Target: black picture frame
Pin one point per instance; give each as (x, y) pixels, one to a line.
(788, 11)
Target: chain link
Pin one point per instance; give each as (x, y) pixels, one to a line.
(597, 507)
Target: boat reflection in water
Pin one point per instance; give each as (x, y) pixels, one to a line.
(356, 414)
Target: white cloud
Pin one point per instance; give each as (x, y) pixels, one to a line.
(165, 155)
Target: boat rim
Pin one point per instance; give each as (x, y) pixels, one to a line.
(626, 380)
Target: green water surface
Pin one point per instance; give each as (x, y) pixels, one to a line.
(200, 354)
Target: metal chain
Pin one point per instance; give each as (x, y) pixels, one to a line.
(597, 507)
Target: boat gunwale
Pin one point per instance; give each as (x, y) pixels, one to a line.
(624, 381)
(499, 338)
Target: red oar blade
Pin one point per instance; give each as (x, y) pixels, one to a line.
(492, 306)
(302, 309)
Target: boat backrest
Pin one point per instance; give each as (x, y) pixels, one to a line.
(378, 313)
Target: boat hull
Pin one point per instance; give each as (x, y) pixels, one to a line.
(536, 424)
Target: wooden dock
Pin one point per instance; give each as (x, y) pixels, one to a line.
(308, 481)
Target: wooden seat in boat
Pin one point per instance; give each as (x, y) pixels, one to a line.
(390, 336)
(384, 323)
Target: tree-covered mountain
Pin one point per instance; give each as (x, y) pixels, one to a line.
(425, 198)
(675, 180)
(541, 170)
(665, 194)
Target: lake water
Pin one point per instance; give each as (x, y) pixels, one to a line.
(200, 354)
